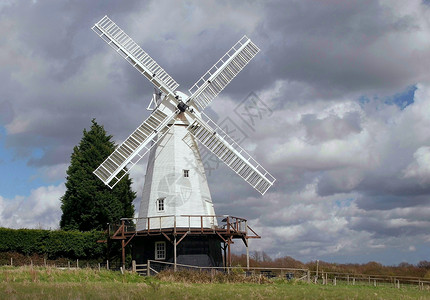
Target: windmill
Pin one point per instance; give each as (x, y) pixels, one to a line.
(175, 182)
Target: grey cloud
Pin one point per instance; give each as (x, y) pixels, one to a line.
(6, 112)
(388, 202)
(340, 47)
(380, 228)
(57, 75)
(331, 127)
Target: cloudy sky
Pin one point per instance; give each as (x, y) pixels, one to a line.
(342, 115)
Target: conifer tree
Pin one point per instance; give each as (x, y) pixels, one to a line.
(88, 203)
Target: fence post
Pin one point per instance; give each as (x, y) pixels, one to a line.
(77, 263)
(334, 282)
(133, 266)
(44, 262)
(374, 282)
(99, 267)
(309, 276)
(68, 263)
(11, 261)
(347, 277)
(353, 281)
(107, 264)
(31, 263)
(148, 271)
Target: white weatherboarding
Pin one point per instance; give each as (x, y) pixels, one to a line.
(175, 182)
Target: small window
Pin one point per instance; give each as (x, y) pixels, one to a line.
(160, 204)
(186, 173)
(160, 250)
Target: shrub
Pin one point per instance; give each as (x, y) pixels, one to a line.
(53, 243)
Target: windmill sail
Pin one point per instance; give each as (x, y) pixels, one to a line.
(120, 162)
(225, 69)
(136, 56)
(224, 147)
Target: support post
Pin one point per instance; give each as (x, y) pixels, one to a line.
(123, 253)
(247, 245)
(225, 255)
(174, 253)
(247, 254)
(133, 266)
(123, 243)
(148, 270)
(229, 252)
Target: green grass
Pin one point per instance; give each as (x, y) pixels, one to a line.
(51, 283)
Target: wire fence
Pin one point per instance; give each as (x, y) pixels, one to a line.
(154, 267)
(334, 278)
(62, 263)
(323, 278)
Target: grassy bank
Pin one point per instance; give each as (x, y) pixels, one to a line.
(51, 283)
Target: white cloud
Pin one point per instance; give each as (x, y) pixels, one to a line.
(420, 168)
(53, 173)
(40, 209)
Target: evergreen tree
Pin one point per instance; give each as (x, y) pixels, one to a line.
(88, 203)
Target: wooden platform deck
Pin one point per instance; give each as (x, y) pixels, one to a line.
(231, 228)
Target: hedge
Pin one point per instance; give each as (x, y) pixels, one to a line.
(53, 243)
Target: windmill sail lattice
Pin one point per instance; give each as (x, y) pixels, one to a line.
(136, 56)
(227, 150)
(223, 72)
(177, 109)
(119, 163)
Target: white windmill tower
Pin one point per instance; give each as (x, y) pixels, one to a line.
(175, 183)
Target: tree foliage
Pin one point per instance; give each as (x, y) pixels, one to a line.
(88, 203)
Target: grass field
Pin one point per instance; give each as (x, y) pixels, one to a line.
(51, 283)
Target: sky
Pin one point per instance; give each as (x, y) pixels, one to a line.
(336, 106)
